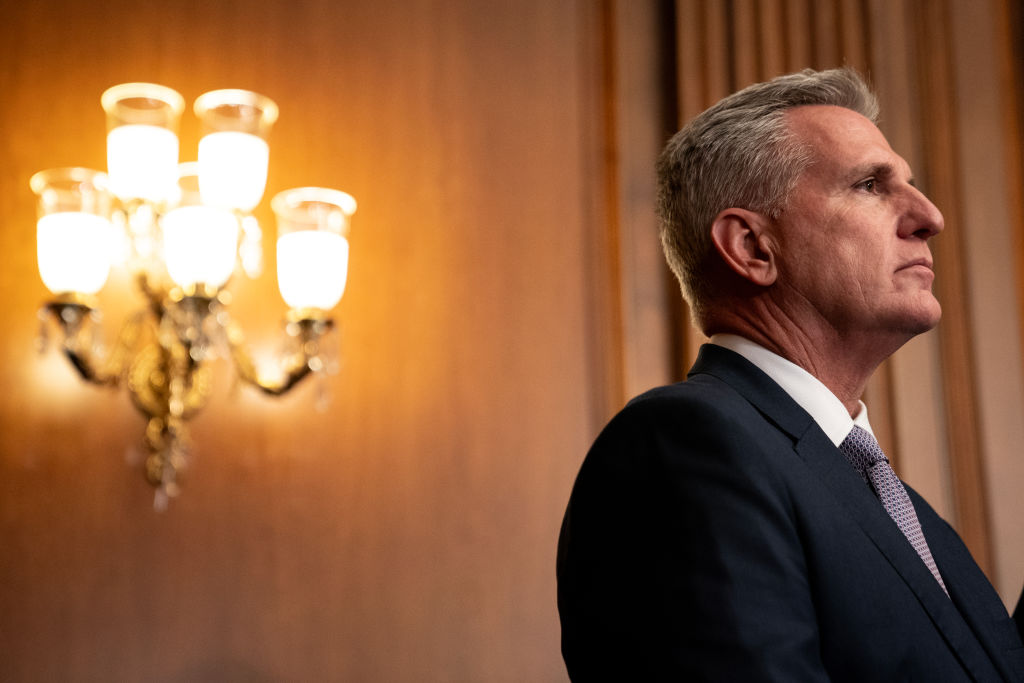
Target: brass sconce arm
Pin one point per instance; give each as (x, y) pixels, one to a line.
(75, 316)
(162, 356)
(308, 332)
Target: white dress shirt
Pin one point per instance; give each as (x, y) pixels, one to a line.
(823, 406)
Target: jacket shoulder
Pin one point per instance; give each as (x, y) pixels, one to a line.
(702, 414)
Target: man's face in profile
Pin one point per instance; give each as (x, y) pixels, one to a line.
(853, 251)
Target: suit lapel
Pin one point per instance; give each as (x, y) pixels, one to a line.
(849, 490)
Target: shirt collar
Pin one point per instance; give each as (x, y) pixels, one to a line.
(810, 394)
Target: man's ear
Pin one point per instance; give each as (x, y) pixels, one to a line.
(742, 240)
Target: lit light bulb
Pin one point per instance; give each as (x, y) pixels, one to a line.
(142, 140)
(233, 169)
(312, 268)
(142, 162)
(75, 241)
(233, 151)
(312, 248)
(74, 251)
(199, 245)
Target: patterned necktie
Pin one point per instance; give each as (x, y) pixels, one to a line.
(866, 456)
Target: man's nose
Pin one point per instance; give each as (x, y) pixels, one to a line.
(921, 219)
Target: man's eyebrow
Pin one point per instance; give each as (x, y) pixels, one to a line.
(882, 171)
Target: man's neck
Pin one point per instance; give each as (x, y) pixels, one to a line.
(842, 364)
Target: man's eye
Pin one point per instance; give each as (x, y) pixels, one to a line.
(870, 185)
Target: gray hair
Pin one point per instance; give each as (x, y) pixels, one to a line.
(740, 153)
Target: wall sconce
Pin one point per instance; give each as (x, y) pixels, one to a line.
(184, 229)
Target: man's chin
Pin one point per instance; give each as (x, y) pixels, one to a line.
(925, 319)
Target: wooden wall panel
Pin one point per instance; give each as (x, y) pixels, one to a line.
(773, 41)
(827, 34)
(798, 35)
(745, 43)
(407, 533)
(990, 218)
(643, 117)
(942, 162)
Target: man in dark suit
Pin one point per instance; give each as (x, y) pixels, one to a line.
(743, 525)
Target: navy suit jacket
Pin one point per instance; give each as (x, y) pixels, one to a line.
(715, 533)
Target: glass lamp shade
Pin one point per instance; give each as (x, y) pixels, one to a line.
(200, 242)
(74, 236)
(142, 140)
(312, 246)
(233, 151)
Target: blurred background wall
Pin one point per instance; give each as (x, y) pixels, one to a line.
(506, 295)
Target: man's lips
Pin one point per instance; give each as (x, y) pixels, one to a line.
(920, 269)
(916, 263)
